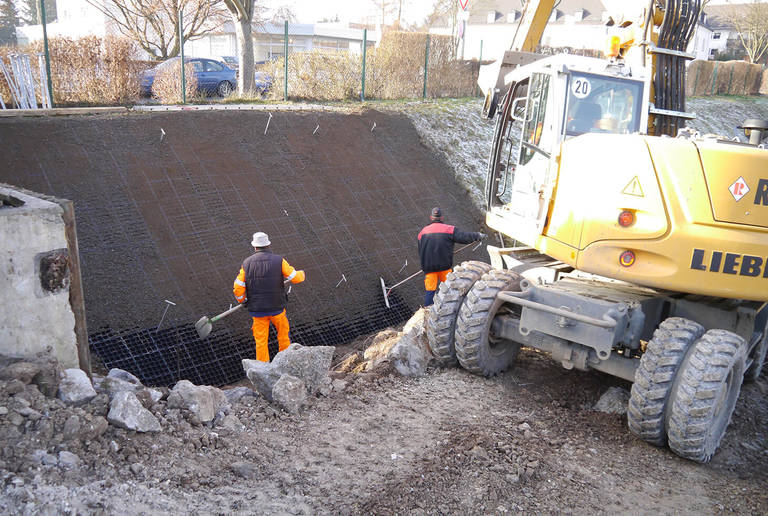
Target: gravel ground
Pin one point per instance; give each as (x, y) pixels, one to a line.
(447, 443)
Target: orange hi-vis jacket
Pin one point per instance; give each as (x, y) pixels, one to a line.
(288, 272)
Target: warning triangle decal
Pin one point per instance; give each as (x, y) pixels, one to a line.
(634, 188)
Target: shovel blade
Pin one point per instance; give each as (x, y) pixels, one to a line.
(384, 291)
(203, 327)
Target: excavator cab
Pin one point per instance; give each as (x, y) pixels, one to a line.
(550, 101)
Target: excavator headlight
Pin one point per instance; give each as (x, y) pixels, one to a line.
(627, 259)
(626, 218)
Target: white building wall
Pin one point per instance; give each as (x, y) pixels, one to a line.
(76, 18)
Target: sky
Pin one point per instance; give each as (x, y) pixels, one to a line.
(311, 11)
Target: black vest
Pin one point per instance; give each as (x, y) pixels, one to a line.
(264, 285)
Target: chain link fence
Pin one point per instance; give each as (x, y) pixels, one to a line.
(292, 63)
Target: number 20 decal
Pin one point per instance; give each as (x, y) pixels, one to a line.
(581, 88)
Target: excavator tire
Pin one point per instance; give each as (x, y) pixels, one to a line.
(476, 350)
(706, 394)
(441, 318)
(655, 377)
(758, 359)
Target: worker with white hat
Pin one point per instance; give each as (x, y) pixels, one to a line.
(261, 286)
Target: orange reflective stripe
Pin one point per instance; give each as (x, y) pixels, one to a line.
(292, 274)
(238, 288)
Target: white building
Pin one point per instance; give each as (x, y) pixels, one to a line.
(269, 40)
(75, 19)
(575, 25)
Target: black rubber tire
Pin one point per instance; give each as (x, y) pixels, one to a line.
(706, 394)
(442, 315)
(474, 348)
(655, 377)
(224, 89)
(490, 104)
(758, 359)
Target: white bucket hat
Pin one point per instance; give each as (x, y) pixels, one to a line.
(260, 240)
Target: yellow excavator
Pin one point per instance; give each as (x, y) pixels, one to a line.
(641, 247)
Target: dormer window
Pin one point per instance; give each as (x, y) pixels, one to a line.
(580, 15)
(512, 16)
(555, 15)
(492, 16)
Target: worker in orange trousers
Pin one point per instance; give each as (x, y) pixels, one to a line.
(436, 251)
(261, 286)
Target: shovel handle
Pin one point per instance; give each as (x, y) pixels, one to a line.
(224, 314)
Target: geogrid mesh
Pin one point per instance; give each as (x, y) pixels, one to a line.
(171, 218)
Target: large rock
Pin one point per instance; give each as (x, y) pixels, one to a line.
(200, 402)
(309, 364)
(411, 355)
(290, 393)
(75, 387)
(47, 380)
(614, 401)
(22, 371)
(126, 411)
(118, 380)
(379, 349)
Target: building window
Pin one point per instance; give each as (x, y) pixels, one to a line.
(330, 44)
(491, 17)
(715, 35)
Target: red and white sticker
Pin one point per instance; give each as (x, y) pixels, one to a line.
(739, 189)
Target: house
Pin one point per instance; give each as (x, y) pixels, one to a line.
(75, 19)
(269, 42)
(488, 27)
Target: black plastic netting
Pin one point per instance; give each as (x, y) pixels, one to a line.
(168, 216)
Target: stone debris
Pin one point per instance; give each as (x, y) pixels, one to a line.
(614, 401)
(126, 411)
(68, 460)
(201, 403)
(411, 355)
(290, 393)
(22, 371)
(309, 364)
(75, 387)
(239, 394)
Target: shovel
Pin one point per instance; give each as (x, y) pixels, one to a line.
(386, 290)
(205, 324)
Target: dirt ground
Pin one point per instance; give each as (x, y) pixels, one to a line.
(446, 443)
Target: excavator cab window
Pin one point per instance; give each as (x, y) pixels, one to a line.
(602, 104)
(507, 144)
(535, 131)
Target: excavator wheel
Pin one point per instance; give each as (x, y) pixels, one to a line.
(758, 359)
(477, 351)
(441, 318)
(655, 377)
(705, 395)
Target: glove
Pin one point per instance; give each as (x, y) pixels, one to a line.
(481, 236)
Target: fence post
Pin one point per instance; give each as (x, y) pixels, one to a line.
(47, 53)
(365, 46)
(285, 53)
(181, 49)
(479, 64)
(696, 80)
(426, 66)
(714, 79)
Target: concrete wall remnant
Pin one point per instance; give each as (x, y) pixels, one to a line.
(36, 315)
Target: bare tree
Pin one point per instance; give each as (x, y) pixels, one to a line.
(243, 15)
(154, 24)
(385, 7)
(446, 11)
(284, 13)
(751, 24)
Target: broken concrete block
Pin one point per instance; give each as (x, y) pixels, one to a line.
(202, 402)
(75, 387)
(126, 411)
(238, 393)
(309, 364)
(290, 393)
(411, 355)
(124, 375)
